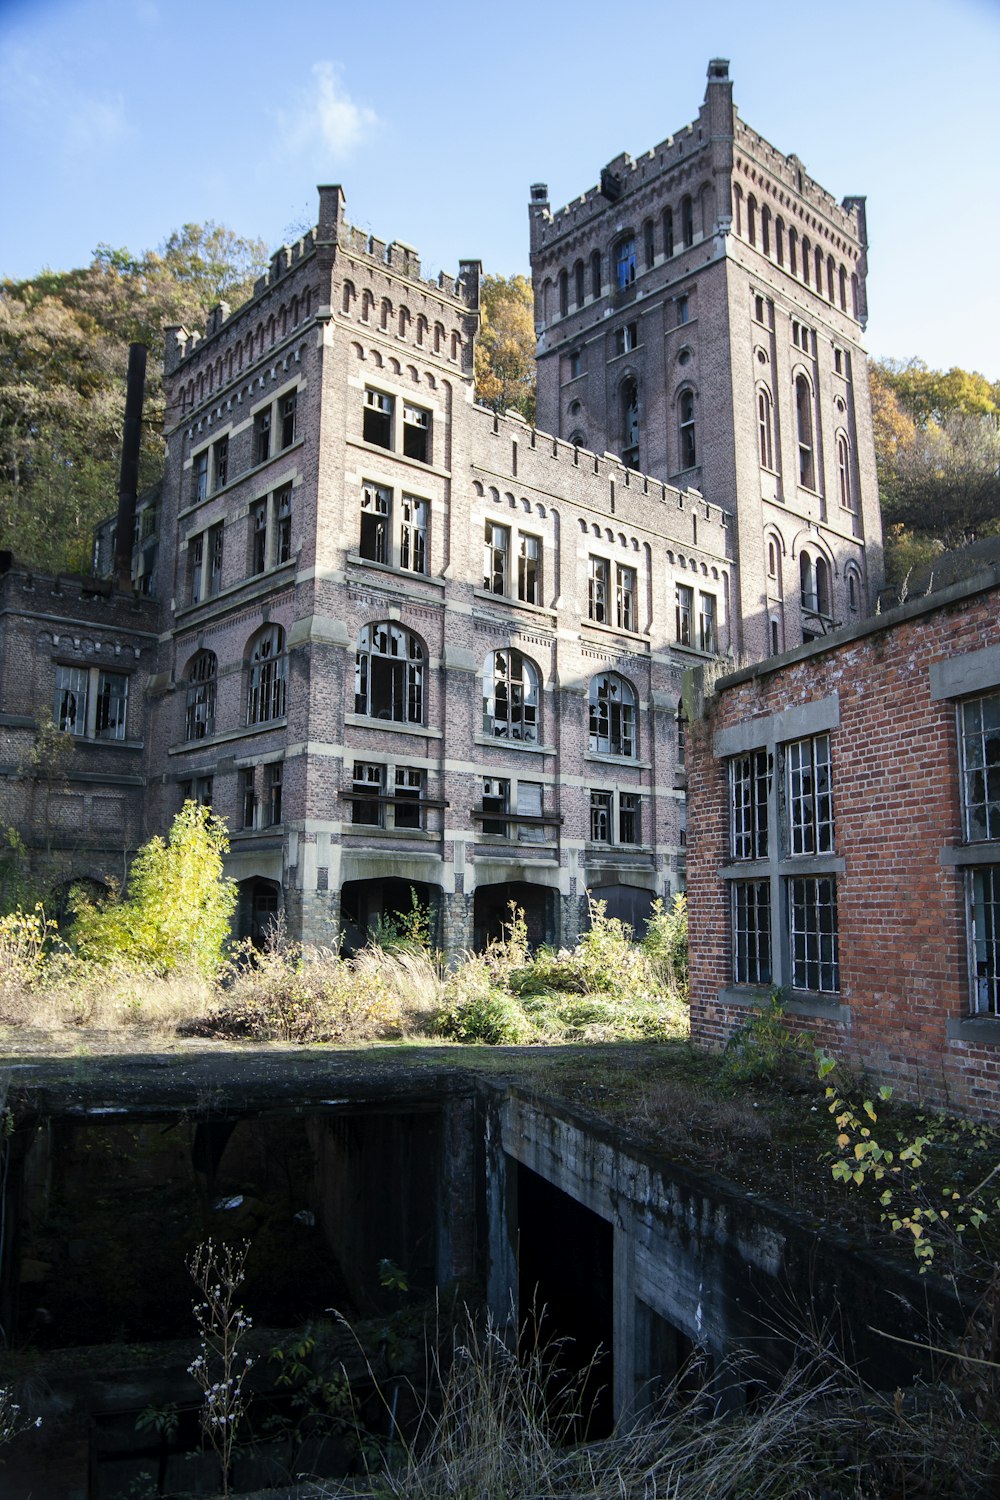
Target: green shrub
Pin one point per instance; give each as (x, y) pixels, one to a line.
(665, 943)
(290, 993)
(177, 911)
(764, 1049)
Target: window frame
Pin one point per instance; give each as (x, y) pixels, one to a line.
(612, 716)
(406, 686)
(518, 719)
(92, 691)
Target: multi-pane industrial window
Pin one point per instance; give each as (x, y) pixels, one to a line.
(749, 784)
(273, 778)
(812, 930)
(529, 568)
(844, 472)
(266, 683)
(804, 425)
(91, 703)
(287, 430)
(807, 957)
(220, 461)
(248, 796)
(984, 913)
(809, 796)
(389, 674)
(625, 598)
(684, 614)
(387, 797)
(612, 716)
(614, 817)
(625, 262)
(199, 708)
(205, 564)
(376, 528)
(751, 918)
(979, 744)
(258, 536)
(510, 697)
(496, 558)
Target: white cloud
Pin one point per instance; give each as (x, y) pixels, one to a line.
(327, 118)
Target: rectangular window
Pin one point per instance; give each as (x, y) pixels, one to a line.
(597, 590)
(749, 785)
(625, 599)
(369, 785)
(376, 501)
(112, 701)
(70, 708)
(262, 436)
(413, 534)
(416, 433)
(199, 476)
(378, 419)
(684, 610)
(196, 569)
(248, 796)
(220, 463)
(812, 924)
(574, 364)
(214, 548)
(626, 338)
(979, 720)
(628, 818)
(529, 569)
(707, 634)
(287, 419)
(809, 797)
(258, 537)
(984, 903)
(600, 817)
(751, 916)
(496, 800)
(411, 788)
(273, 776)
(529, 804)
(283, 524)
(496, 558)
(683, 310)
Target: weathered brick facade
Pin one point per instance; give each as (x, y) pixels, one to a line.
(404, 642)
(909, 704)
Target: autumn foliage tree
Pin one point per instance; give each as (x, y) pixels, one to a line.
(505, 352)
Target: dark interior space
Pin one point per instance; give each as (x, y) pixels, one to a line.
(365, 905)
(565, 1290)
(493, 915)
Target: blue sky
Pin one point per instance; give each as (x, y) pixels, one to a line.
(123, 119)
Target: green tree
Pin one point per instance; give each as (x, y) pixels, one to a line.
(178, 906)
(505, 351)
(64, 339)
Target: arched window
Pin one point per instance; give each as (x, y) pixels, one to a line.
(844, 486)
(774, 567)
(823, 590)
(779, 241)
(688, 434)
(625, 262)
(843, 289)
(765, 427)
(687, 221)
(579, 283)
(612, 716)
(853, 590)
(819, 271)
(389, 674)
(804, 423)
(630, 422)
(648, 250)
(266, 685)
(831, 271)
(805, 259)
(563, 293)
(814, 578)
(595, 273)
(793, 239)
(765, 230)
(510, 697)
(738, 208)
(668, 232)
(199, 707)
(752, 219)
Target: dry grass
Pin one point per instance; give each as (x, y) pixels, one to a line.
(106, 997)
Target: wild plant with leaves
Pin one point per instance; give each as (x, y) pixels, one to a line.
(221, 1366)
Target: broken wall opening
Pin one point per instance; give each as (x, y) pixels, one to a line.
(492, 912)
(368, 905)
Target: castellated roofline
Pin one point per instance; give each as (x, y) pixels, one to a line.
(332, 229)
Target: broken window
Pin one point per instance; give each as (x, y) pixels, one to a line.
(283, 524)
(199, 708)
(496, 558)
(749, 787)
(417, 433)
(258, 537)
(626, 338)
(625, 598)
(199, 476)
(266, 685)
(598, 570)
(529, 806)
(684, 614)
(529, 568)
(90, 703)
(287, 419)
(378, 419)
(389, 674)
(376, 501)
(262, 436)
(612, 713)
(688, 436)
(600, 817)
(809, 796)
(708, 638)
(410, 789)
(273, 778)
(625, 261)
(628, 818)
(248, 796)
(751, 918)
(196, 568)
(510, 697)
(413, 534)
(496, 800)
(630, 423)
(221, 463)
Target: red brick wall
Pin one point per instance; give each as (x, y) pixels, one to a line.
(903, 947)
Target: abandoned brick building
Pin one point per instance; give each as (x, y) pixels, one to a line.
(401, 642)
(845, 808)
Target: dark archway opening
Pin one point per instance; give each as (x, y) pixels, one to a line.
(366, 906)
(565, 1288)
(492, 912)
(257, 910)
